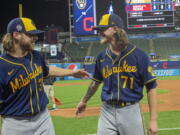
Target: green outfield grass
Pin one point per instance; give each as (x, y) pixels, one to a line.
(70, 96)
(88, 125)
(169, 78)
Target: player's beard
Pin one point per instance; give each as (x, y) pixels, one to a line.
(104, 39)
(26, 46)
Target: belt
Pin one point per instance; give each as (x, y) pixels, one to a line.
(29, 114)
(24, 115)
(116, 103)
(20, 116)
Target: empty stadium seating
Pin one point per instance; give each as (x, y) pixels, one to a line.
(163, 47)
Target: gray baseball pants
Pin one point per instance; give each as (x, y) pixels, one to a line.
(120, 121)
(40, 124)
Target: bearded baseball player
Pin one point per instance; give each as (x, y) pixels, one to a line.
(22, 97)
(124, 70)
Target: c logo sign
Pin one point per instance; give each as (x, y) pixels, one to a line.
(85, 20)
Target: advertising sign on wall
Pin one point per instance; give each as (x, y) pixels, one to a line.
(161, 68)
(72, 66)
(167, 72)
(166, 65)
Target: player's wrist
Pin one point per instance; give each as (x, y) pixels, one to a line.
(153, 119)
(84, 101)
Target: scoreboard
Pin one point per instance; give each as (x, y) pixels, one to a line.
(139, 16)
(148, 14)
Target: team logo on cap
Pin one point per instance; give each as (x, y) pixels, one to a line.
(81, 4)
(19, 27)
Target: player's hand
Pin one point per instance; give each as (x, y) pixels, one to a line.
(81, 107)
(153, 127)
(81, 73)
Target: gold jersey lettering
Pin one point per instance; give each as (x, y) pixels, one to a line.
(14, 85)
(115, 69)
(20, 82)
(127, 68)
(106, 71)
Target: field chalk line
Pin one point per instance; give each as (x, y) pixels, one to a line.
(177, 128)
(160, 129)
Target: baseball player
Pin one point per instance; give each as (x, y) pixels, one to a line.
(49, 89)
(124, 70)
(22, 97)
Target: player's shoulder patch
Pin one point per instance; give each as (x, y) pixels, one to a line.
(150, 70)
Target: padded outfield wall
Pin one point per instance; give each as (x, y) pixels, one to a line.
(161, 68)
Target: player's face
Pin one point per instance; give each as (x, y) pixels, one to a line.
(107, 35)
(27, 41)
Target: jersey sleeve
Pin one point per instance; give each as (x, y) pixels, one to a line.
(97, 75)
(148, 75)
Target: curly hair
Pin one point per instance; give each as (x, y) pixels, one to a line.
(7, 41)
(121, 37)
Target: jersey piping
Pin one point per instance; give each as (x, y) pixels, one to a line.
(38, 105)
(118, 76)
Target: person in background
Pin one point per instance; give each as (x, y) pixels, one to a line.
(49, 89)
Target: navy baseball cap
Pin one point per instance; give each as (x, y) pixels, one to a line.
(24, 25)
(109, 20)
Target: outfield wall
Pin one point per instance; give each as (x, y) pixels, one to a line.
(161, 68)
(166, 68)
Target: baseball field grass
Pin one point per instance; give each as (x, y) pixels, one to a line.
(169, 124)
(70, 95)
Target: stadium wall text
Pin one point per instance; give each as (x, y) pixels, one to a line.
(161, 68)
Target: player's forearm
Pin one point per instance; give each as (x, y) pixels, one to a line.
(55, 71)
(152, 100)
(91, 91)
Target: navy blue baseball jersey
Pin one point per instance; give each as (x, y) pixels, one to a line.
(21, 84)
(124, 76)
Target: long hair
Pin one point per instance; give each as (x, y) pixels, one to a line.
(121, 37)
(7, 42)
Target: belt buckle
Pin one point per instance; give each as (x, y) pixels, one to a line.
(123, 104)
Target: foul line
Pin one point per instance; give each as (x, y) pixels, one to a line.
(177, 128)
(161, 129)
